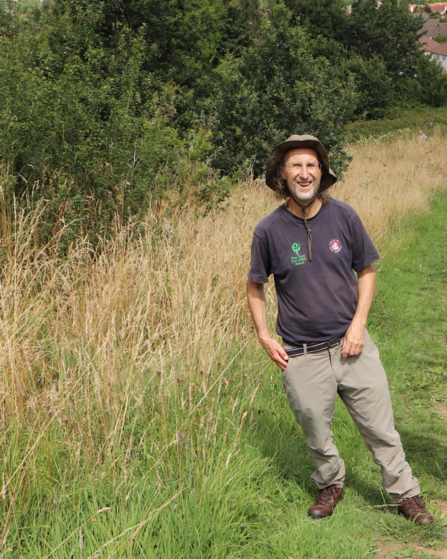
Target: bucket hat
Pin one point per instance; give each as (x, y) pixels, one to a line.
(296, 141)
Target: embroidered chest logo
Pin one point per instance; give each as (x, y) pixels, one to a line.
(335, 245)
(299, 258)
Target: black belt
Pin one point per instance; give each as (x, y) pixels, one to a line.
(313, 347)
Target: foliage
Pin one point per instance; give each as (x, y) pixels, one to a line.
(440, 38)
(432, 83)
(386, 32)
(184, 39)
(391, 37)
(83, 130)
(107, 107)
(277, 88)
(322, 17)
(372, 82)
(374, 86)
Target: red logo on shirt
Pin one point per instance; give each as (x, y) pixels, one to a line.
(335, 245)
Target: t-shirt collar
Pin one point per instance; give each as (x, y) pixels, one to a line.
(293, 216)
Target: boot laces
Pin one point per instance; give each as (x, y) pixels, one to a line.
(416, 504)
(326, 495)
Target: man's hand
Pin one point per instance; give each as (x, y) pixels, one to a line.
(354, 339)
(256, 303)
(277, 353)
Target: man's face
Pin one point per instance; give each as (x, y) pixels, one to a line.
(301, 169)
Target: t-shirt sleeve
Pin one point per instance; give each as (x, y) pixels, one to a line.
(261, 266)
(364, 252)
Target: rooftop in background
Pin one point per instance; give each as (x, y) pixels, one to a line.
(424, 15)
(428, 44)
(438, 7)
(434, 27)
(441, 49)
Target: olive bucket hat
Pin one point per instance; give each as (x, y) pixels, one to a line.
(328, 176)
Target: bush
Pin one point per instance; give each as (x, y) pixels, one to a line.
(440, 38)
(85, 131)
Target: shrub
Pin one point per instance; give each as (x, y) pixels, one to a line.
(85, 131)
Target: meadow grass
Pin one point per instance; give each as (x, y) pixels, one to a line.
(141, 419)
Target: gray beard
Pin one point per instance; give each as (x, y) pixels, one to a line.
(297, 199)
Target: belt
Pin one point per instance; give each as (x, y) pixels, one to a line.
(294, 350)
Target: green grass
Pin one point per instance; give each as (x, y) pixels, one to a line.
(425, 118)
(228, 475)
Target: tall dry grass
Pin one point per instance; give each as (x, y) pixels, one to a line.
(84, 336)
(173, 303)
(392, 177)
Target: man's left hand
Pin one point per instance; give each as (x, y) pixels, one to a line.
(354, 339)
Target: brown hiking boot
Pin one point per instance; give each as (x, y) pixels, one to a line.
(414, 509)
(325, 502)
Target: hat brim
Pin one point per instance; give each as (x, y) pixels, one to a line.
(328, 176)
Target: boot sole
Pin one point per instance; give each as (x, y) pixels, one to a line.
(414, 520)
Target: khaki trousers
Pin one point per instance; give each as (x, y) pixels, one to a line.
(312, 382)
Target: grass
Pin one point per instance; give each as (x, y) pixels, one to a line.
(140, 418)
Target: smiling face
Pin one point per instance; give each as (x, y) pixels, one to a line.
(301, 170)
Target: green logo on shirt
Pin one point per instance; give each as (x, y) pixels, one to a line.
(299, 258)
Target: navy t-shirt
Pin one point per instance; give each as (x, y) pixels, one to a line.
(316, 300)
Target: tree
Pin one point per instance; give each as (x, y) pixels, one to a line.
(275, 89)
(432, 83)
(185, 38)
(320, 17)
(373, 84)
(388, 33)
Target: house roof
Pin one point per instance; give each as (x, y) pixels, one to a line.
(435, 7)
(442, 49)
(424, 15)
(428, 44)
(434, 27)
(438, 7)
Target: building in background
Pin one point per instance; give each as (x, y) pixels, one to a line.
(436, 51)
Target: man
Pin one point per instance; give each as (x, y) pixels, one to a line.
(312, 244)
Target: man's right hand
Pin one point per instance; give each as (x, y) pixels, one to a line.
(256, 303)
(277, 353)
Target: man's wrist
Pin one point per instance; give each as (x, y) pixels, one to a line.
(360, 321)
(264, 338)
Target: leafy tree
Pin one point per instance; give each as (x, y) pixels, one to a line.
(432, 83)
(374, 86)
(320, 17)
(388, 33)
(275, 89)
(185, 38)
